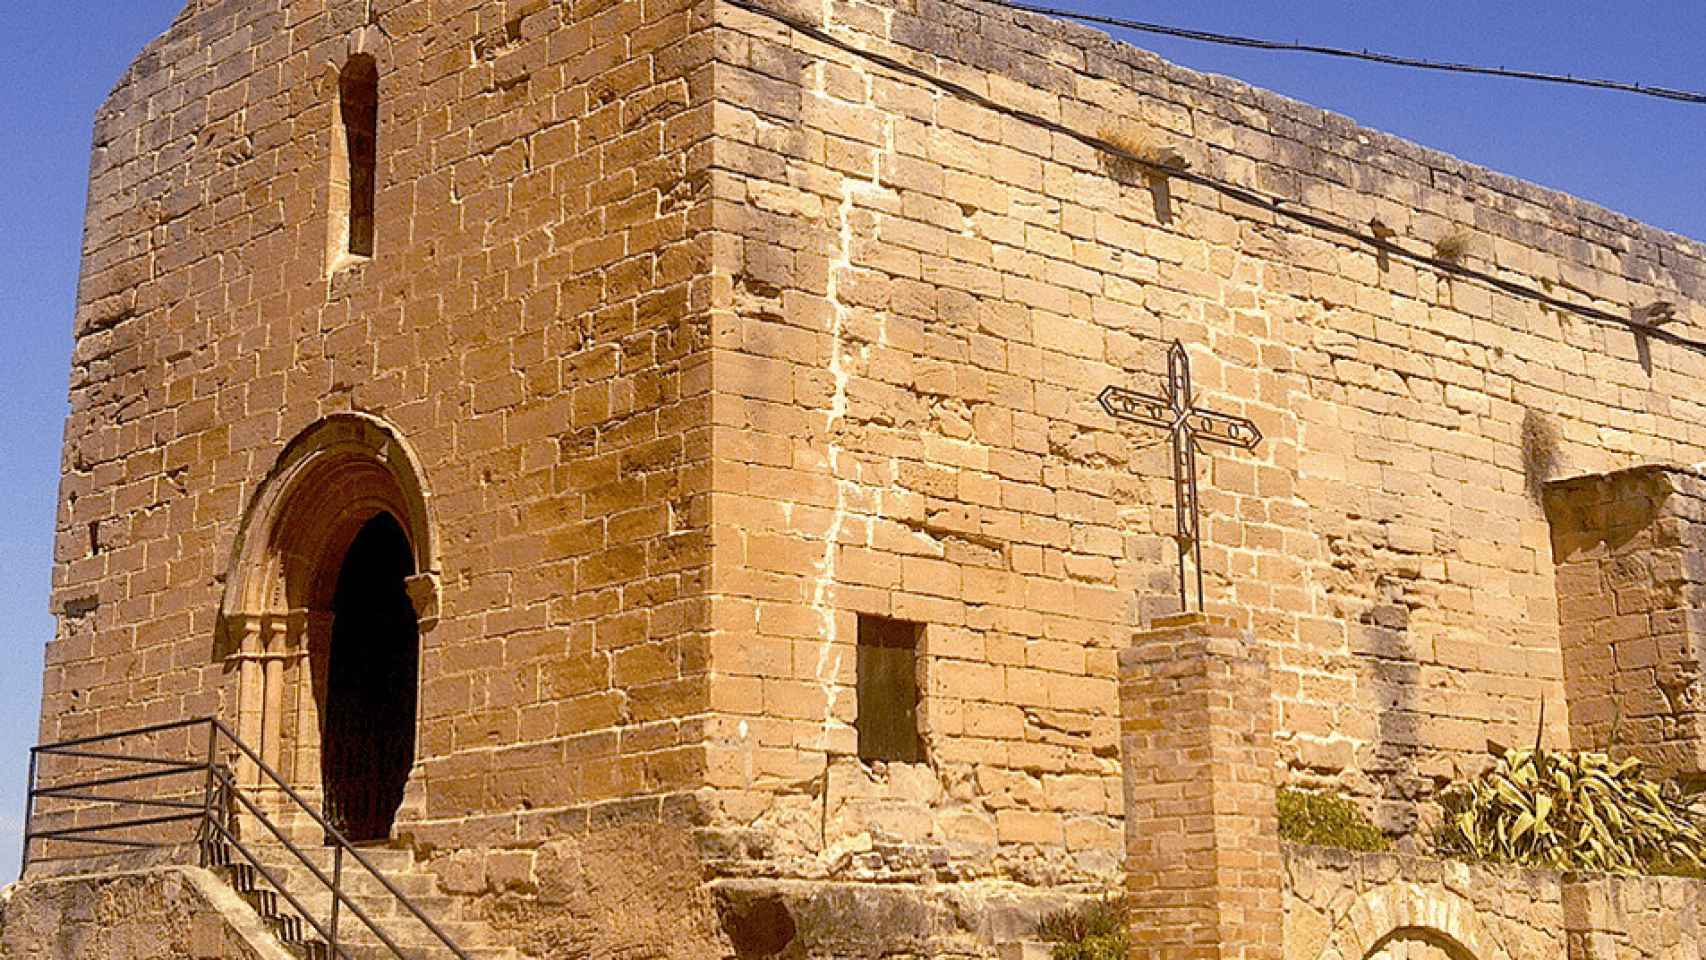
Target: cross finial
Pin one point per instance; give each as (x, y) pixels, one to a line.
(1190, 427)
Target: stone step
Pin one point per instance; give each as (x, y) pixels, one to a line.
(387, 860)
(376, 952)
(355, 880)
(394, 919)
(415, 940)
(356, 939)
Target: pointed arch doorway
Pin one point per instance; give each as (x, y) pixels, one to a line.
(332, 587)
(368, 733)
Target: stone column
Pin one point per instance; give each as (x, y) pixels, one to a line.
(310, 668)
(276, 644)
(251, 692)
(1203, 867)
(1630, 556)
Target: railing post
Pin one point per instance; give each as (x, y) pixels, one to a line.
(29, 813)
(337, 892)
(207, 795)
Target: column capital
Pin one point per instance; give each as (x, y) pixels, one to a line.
(423, 590)
(249, 630)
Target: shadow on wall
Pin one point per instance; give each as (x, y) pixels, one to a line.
(1385, 640)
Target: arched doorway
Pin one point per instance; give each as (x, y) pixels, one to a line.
(368, 726)
(333, 582)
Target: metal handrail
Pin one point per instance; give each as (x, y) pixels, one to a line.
(121, 778)
(67, 832)
(348, 848)
(122, 734)
(122, 758)
(229, 837)
(338, 895)
(220, 785)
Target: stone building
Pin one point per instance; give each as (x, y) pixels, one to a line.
(640, 462)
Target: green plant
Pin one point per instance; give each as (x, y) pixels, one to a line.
(1095, 930)
(1572, 811)
(1326, 820)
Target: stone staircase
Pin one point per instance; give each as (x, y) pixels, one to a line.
(355, 939)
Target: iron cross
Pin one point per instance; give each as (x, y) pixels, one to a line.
(1190, 427)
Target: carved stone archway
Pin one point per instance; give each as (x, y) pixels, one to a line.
(275, 623)
(1411, 920)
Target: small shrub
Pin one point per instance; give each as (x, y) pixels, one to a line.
(1573, 811)
(1540, 452)
(1091, 931)
(1453, 246)
(1141, 143)
(1329, 821)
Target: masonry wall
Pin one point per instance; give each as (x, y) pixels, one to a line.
(528, 327)
(167, 913)
(1632, 611)
(713, 331)
(929, 269)
(1350, 906)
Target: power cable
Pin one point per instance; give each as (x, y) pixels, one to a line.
(1226, 39)
(1279, 206)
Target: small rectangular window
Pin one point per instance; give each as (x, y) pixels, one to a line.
(888, 690)
(359, 107)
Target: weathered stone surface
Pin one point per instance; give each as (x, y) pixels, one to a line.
(1355, 906)
(166, 913)
(705, 331)
(1630, 549)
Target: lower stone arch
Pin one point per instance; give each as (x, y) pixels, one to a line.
(276, 620)
(1384, 921)
(1418, 943)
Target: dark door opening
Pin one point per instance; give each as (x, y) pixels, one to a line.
(368, 742)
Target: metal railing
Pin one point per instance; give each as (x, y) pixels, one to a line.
(212, 802)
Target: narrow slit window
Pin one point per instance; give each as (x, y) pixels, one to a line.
(356, 155)
(888, 690)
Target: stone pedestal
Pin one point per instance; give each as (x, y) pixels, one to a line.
(1203, 870)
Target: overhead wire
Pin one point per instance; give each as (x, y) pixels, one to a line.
(1253, 43)
(1279, 206)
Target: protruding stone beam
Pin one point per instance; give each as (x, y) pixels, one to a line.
(1203, 869)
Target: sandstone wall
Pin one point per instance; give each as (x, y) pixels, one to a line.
(171, 913)
(1347, 906)
(1647, 917)
(527, 326)
(622, 878)
(712, 330)
(929, 269)
(1631, 554)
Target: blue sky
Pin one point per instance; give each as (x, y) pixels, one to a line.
(1633, 154)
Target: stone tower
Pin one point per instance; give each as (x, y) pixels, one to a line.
(642, 456)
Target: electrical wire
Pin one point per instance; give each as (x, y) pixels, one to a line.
(1225, 39)
(1278, 206)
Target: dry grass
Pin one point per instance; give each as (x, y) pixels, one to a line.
(1454, 245)
(1541, 452)
(1141, 147)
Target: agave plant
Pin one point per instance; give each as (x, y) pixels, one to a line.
(1572, 811)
